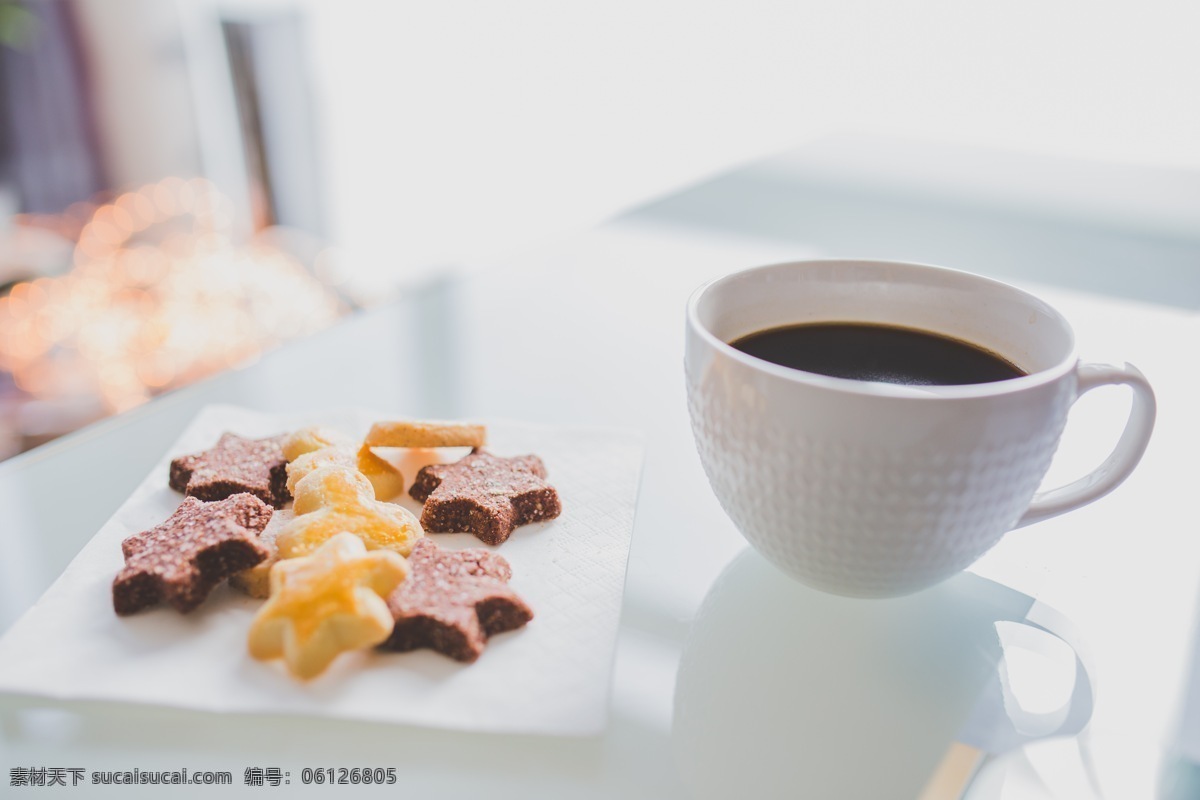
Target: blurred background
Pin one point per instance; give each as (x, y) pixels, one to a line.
(187, 183)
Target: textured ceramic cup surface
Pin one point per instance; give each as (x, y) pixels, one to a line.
(877, 490)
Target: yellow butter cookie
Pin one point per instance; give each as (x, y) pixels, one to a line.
(309, 448)
(416, 433)
(306, 440)
(326, 604)
(308, 462)
(330, 500)
(387, 480)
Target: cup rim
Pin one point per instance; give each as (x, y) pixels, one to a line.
(875, 389)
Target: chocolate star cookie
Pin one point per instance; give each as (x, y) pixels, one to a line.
(452, 601)
(236, 464)
(182, 559)
(486, 495)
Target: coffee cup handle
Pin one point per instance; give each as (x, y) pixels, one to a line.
(1124, 457)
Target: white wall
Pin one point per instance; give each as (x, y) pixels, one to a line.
(464, 126)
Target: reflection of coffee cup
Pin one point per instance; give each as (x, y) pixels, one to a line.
(875, 489)
(812, 695)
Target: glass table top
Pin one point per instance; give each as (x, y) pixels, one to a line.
(589, 330)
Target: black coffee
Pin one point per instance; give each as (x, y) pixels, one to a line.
(878, 353)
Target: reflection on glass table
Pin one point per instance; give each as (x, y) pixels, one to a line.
(787, 678)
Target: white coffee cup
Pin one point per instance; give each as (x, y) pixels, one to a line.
(874, 489)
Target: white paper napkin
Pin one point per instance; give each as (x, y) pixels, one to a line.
(550, 677)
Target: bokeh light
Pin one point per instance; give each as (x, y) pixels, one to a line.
(139, 314)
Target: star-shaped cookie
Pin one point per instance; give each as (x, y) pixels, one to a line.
(452, 601)
(326, 604)
(309, 448)
(333, 499)
(486, 495)
(236, 464)
(182, 559)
